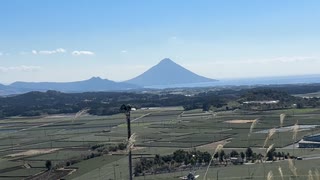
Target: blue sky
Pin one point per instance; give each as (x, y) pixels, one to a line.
(67, 40)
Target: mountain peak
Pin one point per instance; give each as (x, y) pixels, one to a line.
(167, 72)
(95, 78)
(166, 60)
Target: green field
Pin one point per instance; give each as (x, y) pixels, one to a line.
(159, 131)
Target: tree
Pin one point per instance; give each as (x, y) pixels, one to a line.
(260, 157)
(167, 158)
(193, 161)
(271, 153)
(242, 155)
(137, 169)
(249, 153)
(287, 156)
(283, 155)
(221, 155)
(200, 161)
(234, 153)
(299, 105)
(216, 155)
(206, 107)
(206, 157)
(157, 159)
(179, 155)
(48, 164)
(186, 160)
(279, 155)
(122, 146)
(254, 156)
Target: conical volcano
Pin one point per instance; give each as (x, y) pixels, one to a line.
(167, 72)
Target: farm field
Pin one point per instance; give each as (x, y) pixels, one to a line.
(27, 143)
(315, 94)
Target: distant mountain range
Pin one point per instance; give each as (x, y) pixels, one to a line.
(90, 85)
(93, 84)
(166, 72)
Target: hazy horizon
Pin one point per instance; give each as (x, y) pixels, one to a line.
(220, 79)
(64, 41)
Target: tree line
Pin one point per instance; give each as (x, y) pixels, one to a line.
(181, 160)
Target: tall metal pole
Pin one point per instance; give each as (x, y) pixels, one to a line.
(126, 109)
(218, 174)
(114, 172)
(129, 135)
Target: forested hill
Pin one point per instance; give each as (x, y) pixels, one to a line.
(266, 95)
(294, 88)
(99, 103)
(105, 103)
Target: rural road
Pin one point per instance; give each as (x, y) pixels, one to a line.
(141, 117)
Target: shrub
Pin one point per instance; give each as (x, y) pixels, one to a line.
(48, 164)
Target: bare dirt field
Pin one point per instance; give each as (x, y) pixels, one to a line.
(33, 152)
(238, 121)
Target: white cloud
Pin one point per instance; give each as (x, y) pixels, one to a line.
(1, 53)
(46, 52)
(124, 51)
(22, 68)
(60, 50)
(78, 53)
(49, 52)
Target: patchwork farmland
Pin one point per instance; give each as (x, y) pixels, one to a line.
(27, 143)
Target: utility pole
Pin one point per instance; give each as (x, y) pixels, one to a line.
(114, 172)
(218, 174)
(126, 109)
